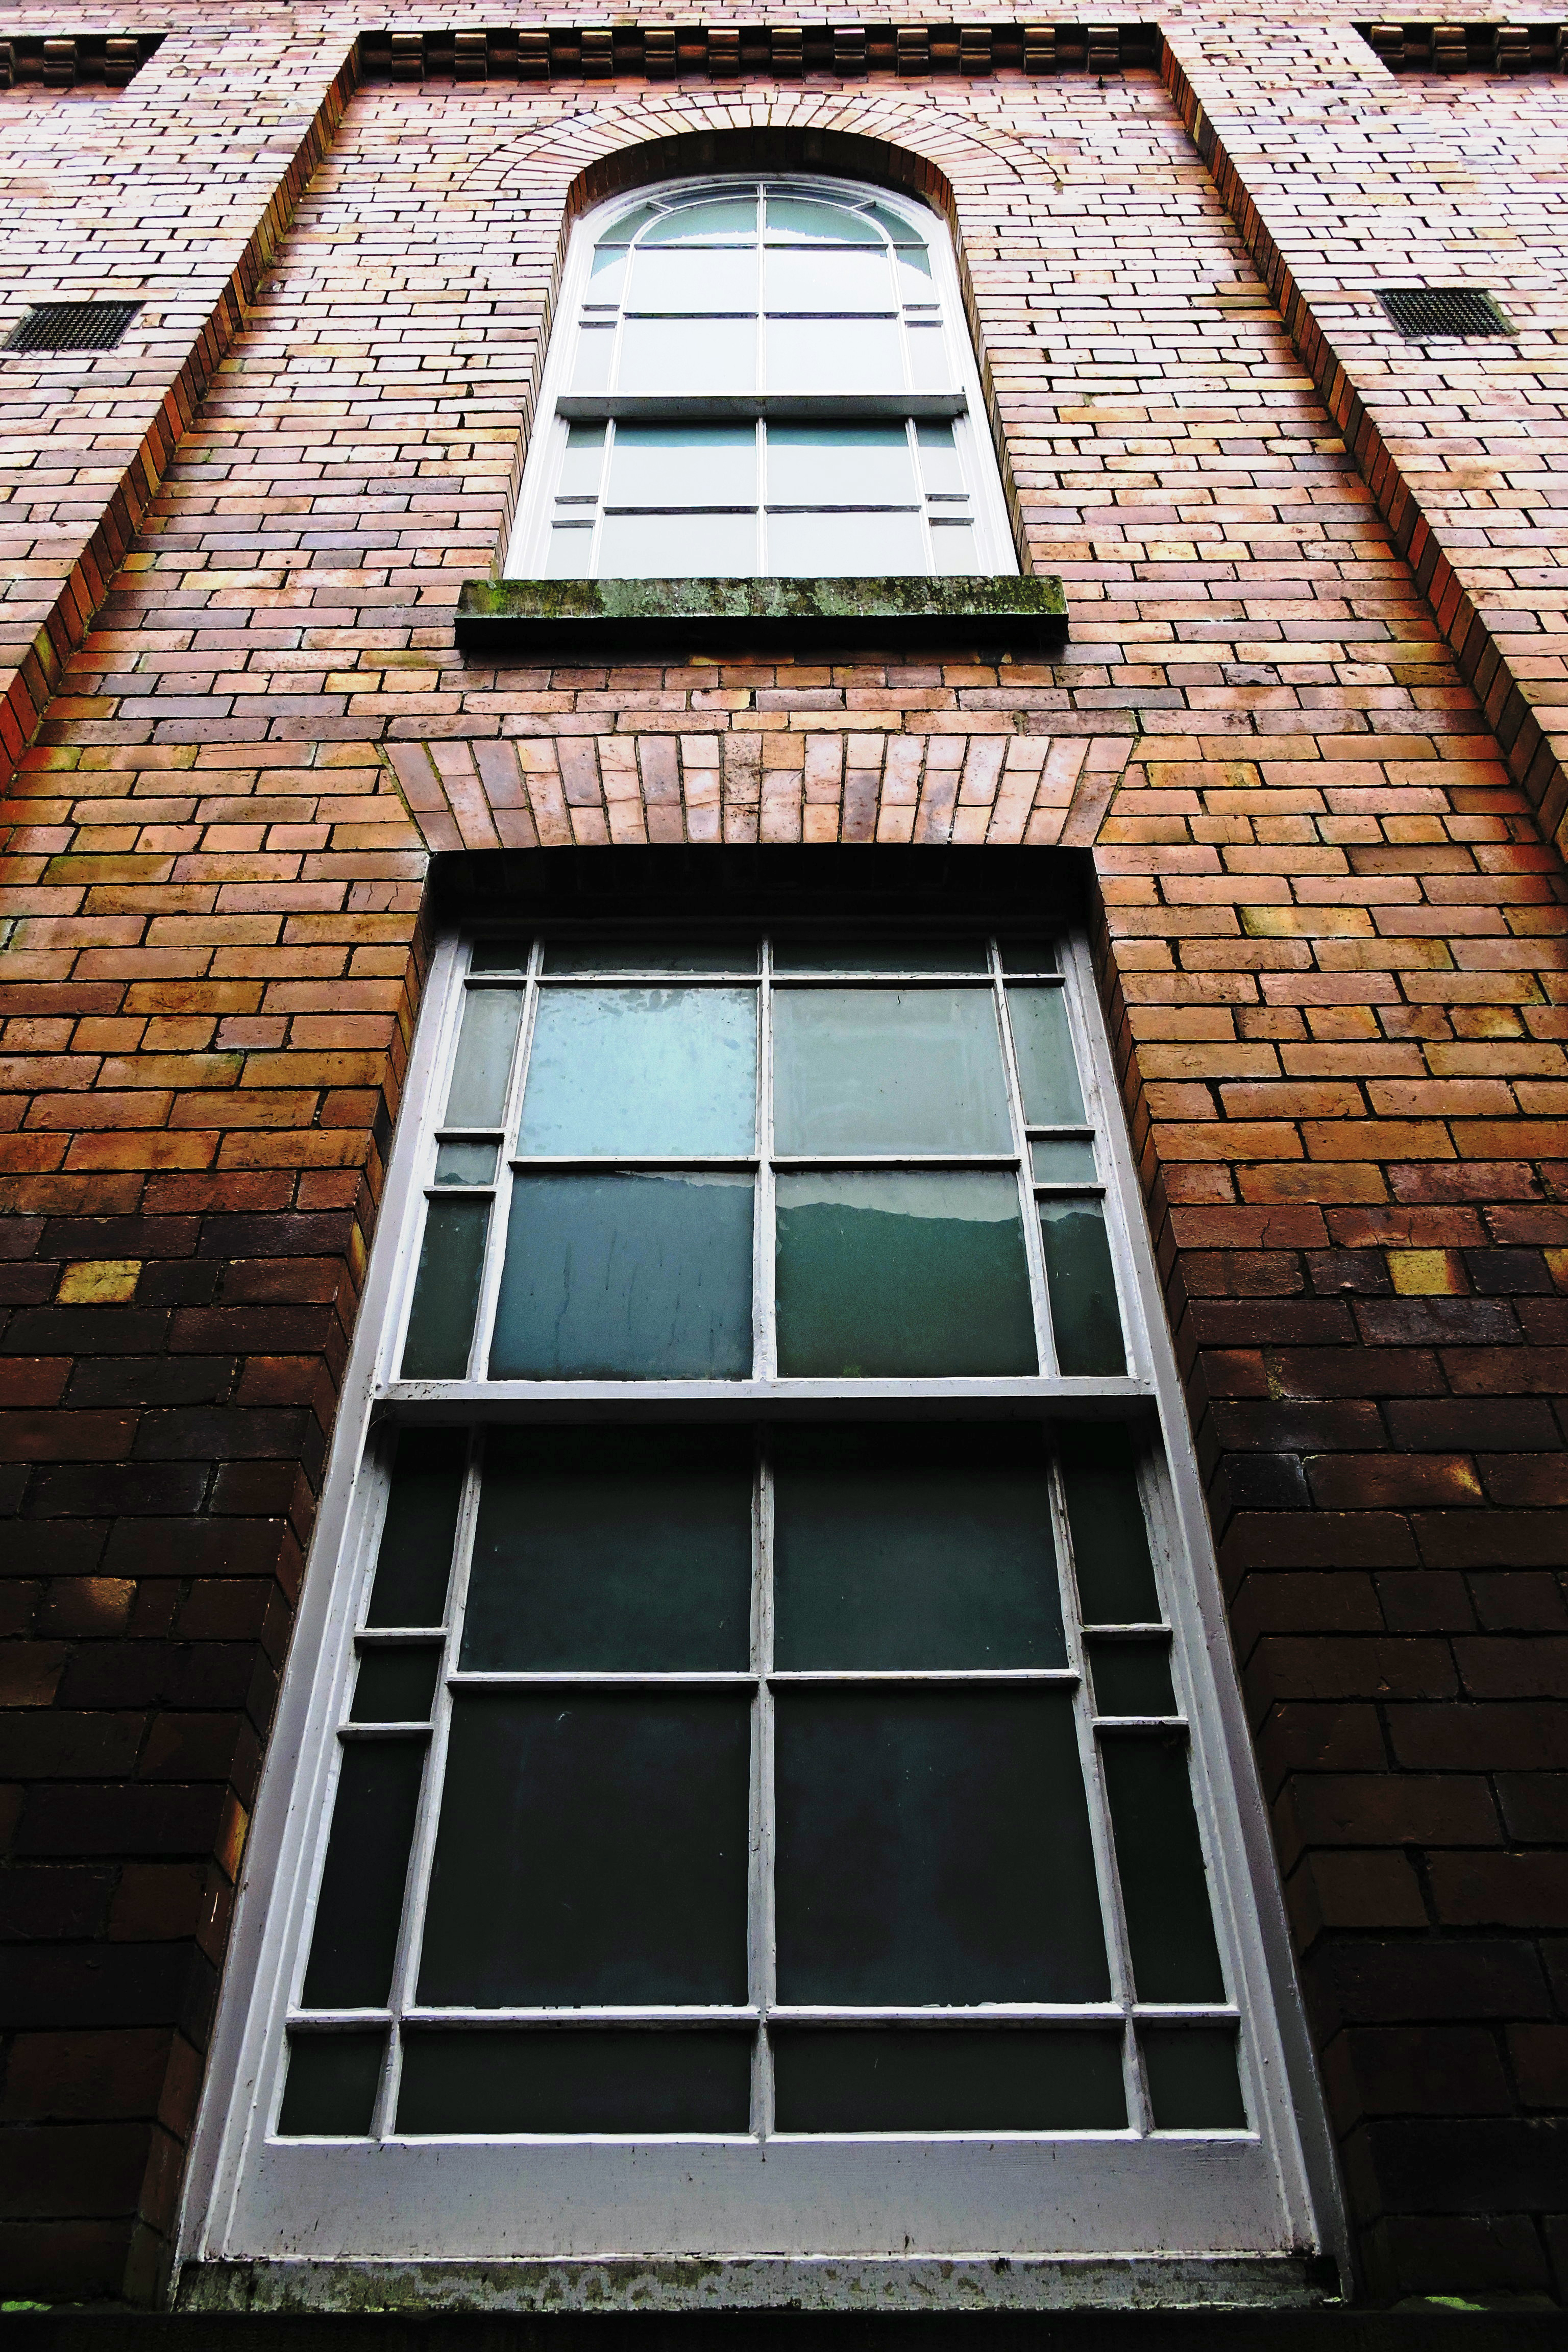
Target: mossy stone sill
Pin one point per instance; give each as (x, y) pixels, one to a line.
(591, 619)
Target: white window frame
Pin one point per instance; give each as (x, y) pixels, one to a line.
(532, 2221)
(962, 403)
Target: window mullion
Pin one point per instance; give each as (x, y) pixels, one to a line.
(764, 1261)
(763, 1957)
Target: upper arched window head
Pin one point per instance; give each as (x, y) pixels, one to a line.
(760, 376)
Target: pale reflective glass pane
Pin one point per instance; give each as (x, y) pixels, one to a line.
(476, 1096)
(1193, 2084)
(591, 1848)
(946, 2079)
(590, 362)
(359, 1906)
(834, 465)
(650, 1071)
(593, 2079)
(621, 950)
(465, 1163)
(622, 232)
(1109, 1536)
(1132, 1678)
(955, 550)
(909, 1549)
(333, 2082)
(693, 278)
(940, 468)
(570, 554)
(606, 274)
(688, 355)
(885, 1069)
(612, 1549)
(915, 281)
(395, 1685)
(833, 355)
(584, 461)
(415, 1560)
(683, 466)
(1042, 1044)
(928, 370)
(1084, 1317)
(678, 547)
(718, 216)
(627, 1277)
(889, 952)
(1067, 1160)
(1164, 1891)
(844, 546)
(445, 1290)
(934, 1846)
(807, 220)
(893, 1276)
(827, 279)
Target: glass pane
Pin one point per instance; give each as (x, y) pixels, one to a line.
(834, 465)
(1164, 1893)
(1110, 1539)
(591, 1848)
(603, 2079)
(606, 275)
(477, 1097)
(1042, 1044)
(891, 1276)
(584, 461)
(929, 369)
(395, 1685)
(915, 280)
(1131, 1678)
(613, 1549)
(936, 2079)
(445, 1290)
(688, 355)
(509, 954)
(693, 278)
(914, 1549)
(1193, 2080)
(954, 549)
(333, 2082)
(884, 1069)
(896, 953)
(627, 1277)
(832, 355)
(844, 546)
(822, 278)
(622, 232)
(415, 1562)
(654, 1071)
(591, 361)
(807, 220)
(934, 1846)
(465, 1163)
(679, 547)
(1066, 1160)
(683, 464)
(621, 950)
(1084, 1314)
(570, 554)
(940, 471)
(1029, 955)
(718, 217)
(359, 1906)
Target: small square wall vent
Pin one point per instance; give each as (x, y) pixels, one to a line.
(71, 327)
(1423, 313)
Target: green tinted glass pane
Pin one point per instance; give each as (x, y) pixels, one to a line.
(477, 1097)
(651, 1071)
(445, 1290)
(932, 2079)
(884, 1069)
(1084, 1317)
(1132, 1678)
(1164, 1892)
(685, 465)
(622, 232)
(1193, 2084)
(331, 2086)
(395, 1685)
(621, 950)
(892, 952)
(724, 217)
(809, 220)
(360, 1904)
(415, 1561)
(1067, 1160)
(465, 1163)
(627, 1277)
(895, 1275)
(613, 1549)
(591, 1848)
(913, 1548)
(1109, 1538)
(840, 465)
(934, 1846)
(603, 2079)
(1042, 1044)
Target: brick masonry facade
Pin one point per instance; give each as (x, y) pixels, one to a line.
(1307, 718)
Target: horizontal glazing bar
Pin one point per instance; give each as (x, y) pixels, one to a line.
(412, 1730)
(570, 1676)
(1053, 1192)
(1139, 1722)
(1021, 1397)
(376, 1637)
(700, 408)
(553, 1163)
(1126, 1632)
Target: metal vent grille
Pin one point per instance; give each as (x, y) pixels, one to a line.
(71, 327)
(1421, 313)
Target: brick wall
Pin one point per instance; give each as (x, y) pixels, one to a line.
(1333, 931)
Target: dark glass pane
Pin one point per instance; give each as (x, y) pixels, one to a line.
(627, 1277)
(591, 1848)
(1030, 955)
(934, 1846)
(1110, 1539)
(1042, 1047)
(331, 2086)
(623, 950)
(500, 955)
(654, 1072)
(1084, 1314)
(885, 1069)
(465, 1163)
(1164, 1891)
(485, 1043)
(415, 1562)
(1064, 1160)
(395, 1685)
(894, 1275)
(914, 1547)
(576, 2079)
(613, 1549)
(936, 2079)
(445, 1290)
(1131, 1678)
(359, 1906)
(1193, 2084)
(896, 953)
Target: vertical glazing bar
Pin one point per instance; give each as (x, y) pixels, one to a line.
(500, 1210)
(761, 1969)
(1040, 1298)
(759, 488)
(764, 1339)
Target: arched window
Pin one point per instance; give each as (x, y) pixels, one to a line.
(760, 376)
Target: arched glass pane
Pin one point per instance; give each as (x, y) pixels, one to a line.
(726, 217)
(809, 220)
